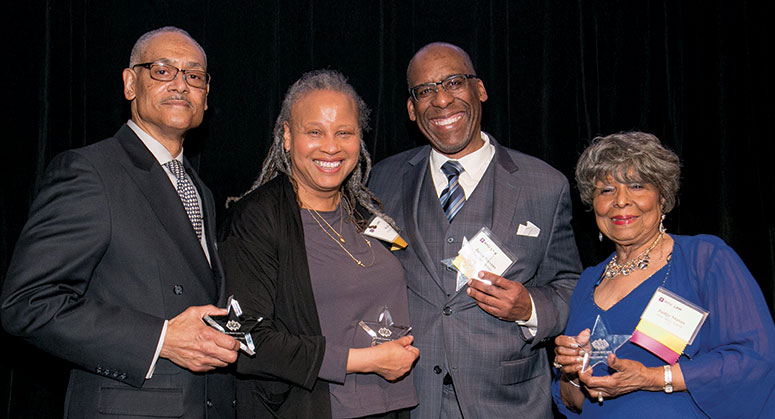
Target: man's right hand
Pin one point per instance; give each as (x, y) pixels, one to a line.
(193, 345)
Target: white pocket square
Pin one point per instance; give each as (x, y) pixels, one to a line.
(530, 230)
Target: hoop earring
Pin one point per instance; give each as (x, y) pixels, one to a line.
(662, 228)
(600, 236)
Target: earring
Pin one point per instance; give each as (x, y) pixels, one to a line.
(600, 236)
(662, 228)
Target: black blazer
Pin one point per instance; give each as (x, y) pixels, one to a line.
(106, 256)
(263, 253)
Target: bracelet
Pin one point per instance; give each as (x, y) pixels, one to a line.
(571, 382)
(668, 387)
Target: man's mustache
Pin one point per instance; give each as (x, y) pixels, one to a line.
(177, 98)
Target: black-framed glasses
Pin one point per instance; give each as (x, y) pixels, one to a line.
(453, 83)
(166, 72)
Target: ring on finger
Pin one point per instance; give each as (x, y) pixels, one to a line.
(557, 364)
(599, 397)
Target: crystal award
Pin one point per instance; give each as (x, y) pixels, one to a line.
(600, 345)
(384, 330)
(236, 325)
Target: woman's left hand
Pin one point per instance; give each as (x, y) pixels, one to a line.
(629, 376)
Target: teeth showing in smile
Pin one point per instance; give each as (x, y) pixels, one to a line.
(447, 121)
(328, 164)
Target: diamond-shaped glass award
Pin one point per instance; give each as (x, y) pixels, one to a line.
(236, 325)
(384, 330)
(600, 345)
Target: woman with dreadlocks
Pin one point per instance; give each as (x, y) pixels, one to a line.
(294, 254)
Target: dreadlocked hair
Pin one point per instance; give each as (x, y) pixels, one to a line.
(354, 191)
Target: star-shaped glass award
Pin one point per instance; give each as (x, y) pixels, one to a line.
(236, 325)
(384, 330)
(600, 345)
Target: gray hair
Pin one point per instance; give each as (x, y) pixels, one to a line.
(278, 160)
(629, 157)
(142, 43)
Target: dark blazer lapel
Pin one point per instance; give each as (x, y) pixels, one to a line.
(209, 221)
(413, 179)
(506, 192)
(154, 184)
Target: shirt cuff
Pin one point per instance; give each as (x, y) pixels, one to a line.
(530, 326)
(158, 350)
(334, 365)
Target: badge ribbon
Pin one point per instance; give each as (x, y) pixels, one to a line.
(668, 324)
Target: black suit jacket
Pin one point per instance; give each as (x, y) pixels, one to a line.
(106, 256)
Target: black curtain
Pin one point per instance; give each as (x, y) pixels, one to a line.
(557, 74)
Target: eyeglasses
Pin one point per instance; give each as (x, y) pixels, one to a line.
(453, 83)
(166, 72)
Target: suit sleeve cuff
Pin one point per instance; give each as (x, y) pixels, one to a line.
(530, 326)
(158, 350)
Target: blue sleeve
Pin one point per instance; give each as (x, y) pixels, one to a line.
(734, 373)
(558, 399)
(573, 329)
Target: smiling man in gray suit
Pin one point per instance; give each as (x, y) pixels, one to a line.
(116, 265)
(482, 343)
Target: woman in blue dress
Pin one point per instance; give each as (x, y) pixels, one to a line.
(728, 370)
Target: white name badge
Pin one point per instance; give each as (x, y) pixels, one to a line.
(380, 229)
(668, 324)
(461, 279)
(482, 253)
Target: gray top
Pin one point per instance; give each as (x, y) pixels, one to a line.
(346, 293)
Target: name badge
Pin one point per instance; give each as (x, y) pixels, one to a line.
(668, 324)
(481, 253)
(380, 229)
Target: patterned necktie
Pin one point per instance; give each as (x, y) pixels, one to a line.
(187, 195)
(452, 197)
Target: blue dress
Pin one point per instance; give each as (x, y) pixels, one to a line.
(729, 369)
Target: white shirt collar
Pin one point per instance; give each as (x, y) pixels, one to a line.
(474, 164)
(157, 149)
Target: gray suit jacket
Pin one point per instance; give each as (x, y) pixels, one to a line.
(497, 371)
(107, 254)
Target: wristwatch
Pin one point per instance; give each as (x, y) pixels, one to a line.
(668, 380)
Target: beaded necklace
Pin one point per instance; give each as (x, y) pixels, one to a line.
(639, 262)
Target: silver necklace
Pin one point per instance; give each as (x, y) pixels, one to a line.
(640, 262)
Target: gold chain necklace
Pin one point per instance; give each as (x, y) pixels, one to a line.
(341, 240)
(640, 262)
(341, 223)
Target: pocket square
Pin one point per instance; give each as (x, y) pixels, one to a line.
(530, 230)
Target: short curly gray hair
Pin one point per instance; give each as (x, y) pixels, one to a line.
(629, 157)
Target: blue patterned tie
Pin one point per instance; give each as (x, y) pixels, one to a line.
(187, 195)
(452, 197)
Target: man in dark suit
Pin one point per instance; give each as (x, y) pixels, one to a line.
(116, 265)
(482, 342)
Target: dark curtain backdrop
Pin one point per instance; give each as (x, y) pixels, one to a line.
(558, 73)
